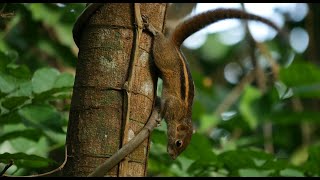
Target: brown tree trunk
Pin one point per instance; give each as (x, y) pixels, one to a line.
(312, 54)
(98, 109)
(312, 26)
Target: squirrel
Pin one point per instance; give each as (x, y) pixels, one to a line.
(178, 87)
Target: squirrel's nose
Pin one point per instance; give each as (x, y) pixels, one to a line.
(172, 153)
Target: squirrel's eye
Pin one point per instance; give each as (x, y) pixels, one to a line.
(179, 143)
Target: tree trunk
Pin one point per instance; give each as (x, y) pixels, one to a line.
(98, 109)
(312, 26)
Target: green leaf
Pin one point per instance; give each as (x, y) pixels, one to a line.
(303, 78)
(207, 121)
(287, 117)
(254, 172)
(291, 173)
(55, 93)
(12, 55)
(212, 42)
(49, 84)
(283, 91)
(24, 89)
(7, 83)
(10, 118)
(160, 163)
(4, 61)
(276, 164)
(199, 148)
(246, 106)
(300, 73)
(13, 102)
(314, 153)
(26, 161)
(2, 94)
(18, 97)
(50, 17)
(203, 167)
(44, 79)
(312, 166)
(159, 137)
(42, 116)
(184, 164)
(307, 91)
(64, 80)
(243, 159)
(299, 156)
(19, 71)
(32, 134)
(11, 84)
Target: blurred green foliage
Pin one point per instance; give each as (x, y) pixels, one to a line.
(37, 65)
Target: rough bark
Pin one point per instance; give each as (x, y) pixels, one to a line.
(98, 110)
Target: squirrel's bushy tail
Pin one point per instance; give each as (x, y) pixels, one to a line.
(194, 24)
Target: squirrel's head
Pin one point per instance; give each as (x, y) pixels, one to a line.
(179, 137)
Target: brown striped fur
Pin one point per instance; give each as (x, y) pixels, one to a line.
(178, 87)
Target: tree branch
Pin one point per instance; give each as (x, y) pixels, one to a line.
(6, 167)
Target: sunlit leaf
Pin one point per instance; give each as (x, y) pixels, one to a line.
(24, 89)
(254, 172)
(291, 173)
(220, 49)
(246, 106)
(7, 83)
(299, 156)
(207, 121)
(52, 18)
(64, 80)
(283, 91)
(44, 79)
